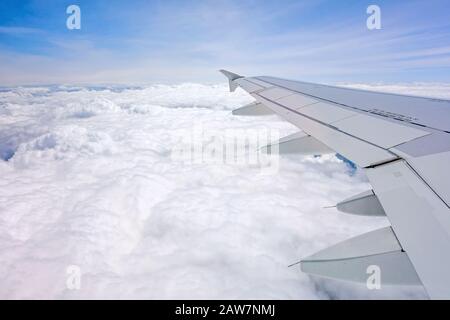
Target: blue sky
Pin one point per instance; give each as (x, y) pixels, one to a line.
(168, 41)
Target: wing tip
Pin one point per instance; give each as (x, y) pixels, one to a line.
(231, 77)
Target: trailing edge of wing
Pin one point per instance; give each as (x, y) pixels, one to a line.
(352, 260)
(298, 143)
(363, 204)
(253, 109)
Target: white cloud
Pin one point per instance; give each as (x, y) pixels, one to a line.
(92, 184)
(434, 90)
(19, 30)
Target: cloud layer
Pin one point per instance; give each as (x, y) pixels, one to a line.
(90, 182)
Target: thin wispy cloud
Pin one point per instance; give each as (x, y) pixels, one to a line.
(177, 41)
(19, 30)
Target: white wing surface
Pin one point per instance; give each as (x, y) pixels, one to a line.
(403, 145)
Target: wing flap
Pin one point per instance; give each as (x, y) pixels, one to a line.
(275, 93)
(434, 169)
(253, 109)
(421, 221)
(296, 101)
(352, 260)
(326, 112)
(248, 86)
(396, 269)
(260, 83)
(362, 153)
(364, 204)
(377, 131)
(298, 143)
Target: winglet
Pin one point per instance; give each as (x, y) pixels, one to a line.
(231, 77)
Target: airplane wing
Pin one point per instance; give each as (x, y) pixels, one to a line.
(403, 145)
